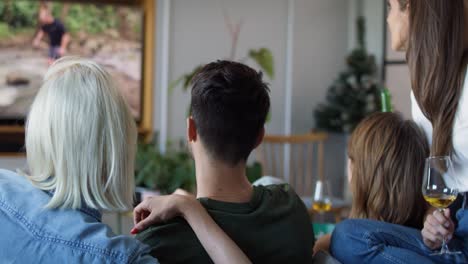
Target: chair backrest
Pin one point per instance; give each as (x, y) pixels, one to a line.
(306, 159)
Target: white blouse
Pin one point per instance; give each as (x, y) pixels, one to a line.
(460, 137)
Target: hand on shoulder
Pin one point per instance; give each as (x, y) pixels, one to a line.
(158, 209)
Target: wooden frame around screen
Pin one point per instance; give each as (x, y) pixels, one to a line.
(15, 133)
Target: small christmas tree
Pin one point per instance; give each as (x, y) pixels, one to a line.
(355, 93)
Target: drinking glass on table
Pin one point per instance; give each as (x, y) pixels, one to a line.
(322, 199)
(436, 192)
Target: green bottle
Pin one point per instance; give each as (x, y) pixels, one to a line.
(386, 100)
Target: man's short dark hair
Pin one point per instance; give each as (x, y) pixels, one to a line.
(230, 103)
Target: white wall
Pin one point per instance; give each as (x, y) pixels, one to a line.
(373, 11)
(320, 48)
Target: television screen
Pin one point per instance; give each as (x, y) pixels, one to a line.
(33, 34)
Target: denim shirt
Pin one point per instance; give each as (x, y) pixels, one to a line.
(29, 233)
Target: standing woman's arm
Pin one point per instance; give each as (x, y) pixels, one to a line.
(217, 244)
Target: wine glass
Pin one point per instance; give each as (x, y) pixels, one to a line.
(322, 200)
(436, 192)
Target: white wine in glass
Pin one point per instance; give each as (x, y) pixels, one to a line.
(436, 192)
(322, 200)
(440, 201)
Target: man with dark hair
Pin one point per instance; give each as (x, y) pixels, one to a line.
(230, 103)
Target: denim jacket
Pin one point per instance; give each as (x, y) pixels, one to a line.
(29, 233)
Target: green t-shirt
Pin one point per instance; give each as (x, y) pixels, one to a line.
(274, 227)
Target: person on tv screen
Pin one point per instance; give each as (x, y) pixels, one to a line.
(56, 31)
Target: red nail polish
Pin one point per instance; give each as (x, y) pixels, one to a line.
(134, 231)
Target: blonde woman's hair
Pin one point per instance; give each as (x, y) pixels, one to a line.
(81, 138)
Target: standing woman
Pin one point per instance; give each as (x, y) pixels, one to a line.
(434, 35)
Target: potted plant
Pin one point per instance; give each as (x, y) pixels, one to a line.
(354, 94)
(163, 173)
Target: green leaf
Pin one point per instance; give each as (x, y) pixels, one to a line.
(268, 117)
(264, 58)
(189, 77)
(184, 80)
(166, 172)
(254, 172)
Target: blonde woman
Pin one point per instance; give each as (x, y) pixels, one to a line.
(80, 143)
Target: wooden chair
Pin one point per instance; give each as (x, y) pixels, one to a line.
(306, 159)
(306, 164)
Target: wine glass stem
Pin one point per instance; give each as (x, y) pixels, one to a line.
(444, 247)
